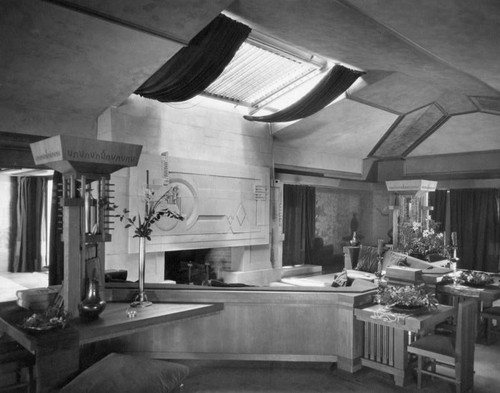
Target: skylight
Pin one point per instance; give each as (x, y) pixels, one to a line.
(259, 74)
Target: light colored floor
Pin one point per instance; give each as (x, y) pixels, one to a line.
(252, 377)
(272, 377)
(10, 283)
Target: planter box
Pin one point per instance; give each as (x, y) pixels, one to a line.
(403, 274)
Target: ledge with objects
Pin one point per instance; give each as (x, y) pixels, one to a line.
(248, 328)
(362, 263)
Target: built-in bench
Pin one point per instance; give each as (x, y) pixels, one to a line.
(361, 262)
(292, 323)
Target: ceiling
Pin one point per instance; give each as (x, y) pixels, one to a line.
(431, 88)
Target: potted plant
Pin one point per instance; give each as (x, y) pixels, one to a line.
(420, 241)
(407, 297)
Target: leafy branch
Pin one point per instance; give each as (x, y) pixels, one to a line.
(153, 213)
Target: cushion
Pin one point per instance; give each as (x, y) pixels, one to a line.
(128, 374)
(368, 259)
(357, 274)
(341, 280)
(435, 343)
(445, 263)
(394, 258)
(363, 284)
(416, 263)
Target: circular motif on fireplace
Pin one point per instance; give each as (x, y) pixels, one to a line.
(185, 201)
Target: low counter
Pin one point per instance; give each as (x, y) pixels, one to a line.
(258, 323)
(60, 352)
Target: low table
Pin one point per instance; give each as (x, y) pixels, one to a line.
(58, 351)
(484, 296)
(387, 335)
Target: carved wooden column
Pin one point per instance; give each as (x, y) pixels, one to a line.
(412, 197)
(84, 163)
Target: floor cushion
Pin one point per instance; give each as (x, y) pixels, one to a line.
(128, 374)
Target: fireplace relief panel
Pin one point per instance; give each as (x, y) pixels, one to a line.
(224, 205)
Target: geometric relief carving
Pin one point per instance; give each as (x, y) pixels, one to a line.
(186, 203)
(218, 201)
(241, 214)
(237, 221)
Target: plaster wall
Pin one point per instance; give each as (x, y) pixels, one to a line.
(199, 131)
(33, 120)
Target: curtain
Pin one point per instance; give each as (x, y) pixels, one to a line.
(475, 218)
(336, 82)
(26, 252)
(12, 223)
(195, 67)
(56, 245)
(299, 215)
(437, 200)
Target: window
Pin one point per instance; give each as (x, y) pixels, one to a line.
(264, 74)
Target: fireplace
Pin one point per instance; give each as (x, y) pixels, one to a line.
(196, 266)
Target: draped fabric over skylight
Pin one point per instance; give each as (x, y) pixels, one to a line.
(259, 74)
(196, 66)
(335, 83)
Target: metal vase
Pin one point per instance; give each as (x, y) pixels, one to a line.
(92, 305)
(141, 299)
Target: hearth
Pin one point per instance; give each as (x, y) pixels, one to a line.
(196, 266)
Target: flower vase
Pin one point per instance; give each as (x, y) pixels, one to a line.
(354, 241)
(141, 299)
(92, 305)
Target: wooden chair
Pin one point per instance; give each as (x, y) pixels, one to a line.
(453, 355)
(13, 359)
(489, 315)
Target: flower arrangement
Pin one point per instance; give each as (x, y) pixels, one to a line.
(415, 239)
(153, 212)
(468, 278)
(408, 296)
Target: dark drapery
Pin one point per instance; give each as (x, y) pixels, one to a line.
(474, 216)
(437, 200)
(195, 67)
(26, 253)
(56, 255)
(336, 82)
(299, 215)
(12, 223)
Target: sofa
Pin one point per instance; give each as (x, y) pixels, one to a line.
(362, 263)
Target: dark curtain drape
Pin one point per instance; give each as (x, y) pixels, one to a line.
(195, 67)
(12, 222)
(475, 218)
(56, 255)
(299, 217)
(336, 82)
(437, 200)
(26, 256)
